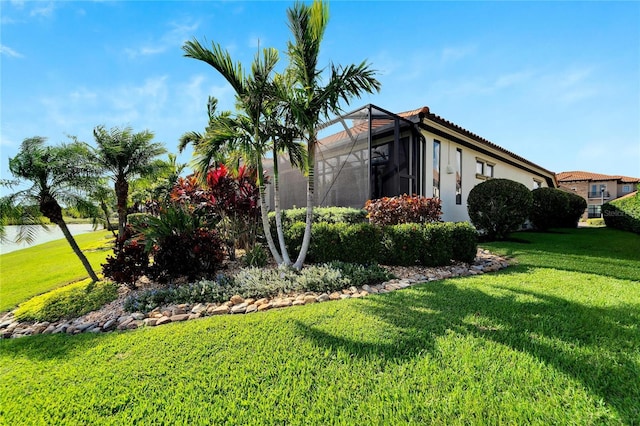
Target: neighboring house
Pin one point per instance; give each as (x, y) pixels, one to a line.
(597, 188)
(375, 153)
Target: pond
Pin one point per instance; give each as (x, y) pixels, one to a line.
(43, 236)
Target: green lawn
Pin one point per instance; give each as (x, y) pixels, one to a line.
(553, 340)
(35, 270)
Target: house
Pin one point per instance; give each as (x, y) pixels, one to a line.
(371, 153)
(596, 188)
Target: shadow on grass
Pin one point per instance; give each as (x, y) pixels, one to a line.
(595, 345)
(49, 347)
(600, 251)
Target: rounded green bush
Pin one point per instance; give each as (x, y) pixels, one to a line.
(577, 206)
(498, 207)
(549, 209)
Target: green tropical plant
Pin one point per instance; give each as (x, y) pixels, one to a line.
(58, 175)
(310, 101)
(126, 155)
(255, 130)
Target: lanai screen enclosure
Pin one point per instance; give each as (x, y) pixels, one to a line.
(364, 154)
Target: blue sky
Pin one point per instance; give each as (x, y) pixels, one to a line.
(555, 82)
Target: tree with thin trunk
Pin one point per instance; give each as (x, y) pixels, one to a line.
(59, 175)
(125, 155)
(311, 101)
(246, 132)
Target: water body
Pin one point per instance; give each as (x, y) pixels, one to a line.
(43, 236)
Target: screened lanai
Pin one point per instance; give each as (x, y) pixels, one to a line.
(367, 153)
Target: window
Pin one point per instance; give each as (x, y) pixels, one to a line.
(593, 211)
(626, 188)
(458, 176)
(480, 167)
(484, 169)
(489, 170)
(436, 169)
(537, 184)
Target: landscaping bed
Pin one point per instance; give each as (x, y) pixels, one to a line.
(113, 315)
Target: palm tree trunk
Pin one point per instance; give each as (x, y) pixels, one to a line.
(276, 205)
(76, 249)
(122, 192)
(264, 214)
(306, 239)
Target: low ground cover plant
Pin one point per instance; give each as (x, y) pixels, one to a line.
(68, 302)
(261, 282)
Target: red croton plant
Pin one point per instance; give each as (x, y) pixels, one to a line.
(403, 209)
(231, 197)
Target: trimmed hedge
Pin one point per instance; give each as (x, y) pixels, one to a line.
(432, 244)
(320, 214)
(623, 213)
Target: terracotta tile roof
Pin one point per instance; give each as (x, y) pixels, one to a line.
(575, 176)
(426, 113)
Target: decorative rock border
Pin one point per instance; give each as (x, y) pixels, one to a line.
(112, 317)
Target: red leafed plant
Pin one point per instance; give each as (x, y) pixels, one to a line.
(403, 209)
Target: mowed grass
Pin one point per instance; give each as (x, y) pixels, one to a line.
(34, 270)
(549, 341)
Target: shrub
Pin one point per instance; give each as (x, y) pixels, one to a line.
(195, 255)
(464, 241)
(438, 245)
(214, 291)
(320, 214)
(256, 256)
(130, 260)
(403, 209)
(137, 220)
(623, 213)
(577, 206)
(403, 244)
(549, 208)
(358, 243)
(259, 282)
(67, 302)
(359, 275)
(498, 207)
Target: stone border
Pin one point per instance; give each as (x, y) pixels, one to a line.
(112, 317)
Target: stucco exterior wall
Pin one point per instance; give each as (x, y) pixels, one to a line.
(453, 212)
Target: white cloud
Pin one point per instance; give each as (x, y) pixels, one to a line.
(6, 50)
(43, 10)
(176, 36)
(455, 53)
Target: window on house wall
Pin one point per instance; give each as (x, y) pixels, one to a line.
(537, 184)
(593, 211)
(458, 176)
(626, 188)
(436, 169)
(484, 169)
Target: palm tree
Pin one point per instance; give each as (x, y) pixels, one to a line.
(245, 132)
(126, 155)
(311, 101)
(58, 174)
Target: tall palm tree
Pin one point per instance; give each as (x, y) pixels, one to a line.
(58, 174)
(311, 101)
(126, 155)
(244, 132)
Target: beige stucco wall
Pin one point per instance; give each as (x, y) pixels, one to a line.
(453, 212)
